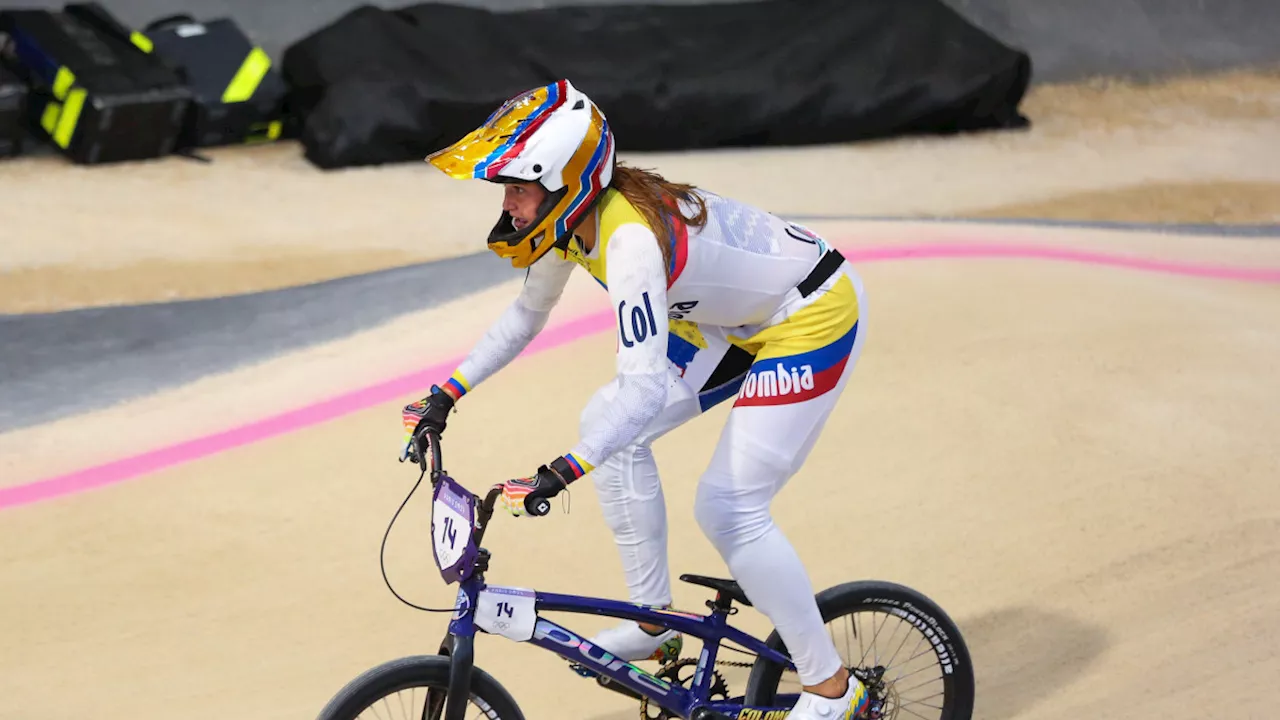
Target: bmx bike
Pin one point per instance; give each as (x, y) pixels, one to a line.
(883, 659)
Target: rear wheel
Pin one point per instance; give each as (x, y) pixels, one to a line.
(415, 688)
(903, 647)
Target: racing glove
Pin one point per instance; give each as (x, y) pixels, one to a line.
(531, 495)
(431, 412)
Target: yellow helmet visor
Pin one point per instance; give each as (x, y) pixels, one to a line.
(483, 152)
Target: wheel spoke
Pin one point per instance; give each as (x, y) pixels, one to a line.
(861, 647)
(874, 637)
(905, 637)
(927, 682)
(900, 677)
(913, 712)
(404, 713)
(903, 706)
(922, 653)
(847, 647)
(912, 653)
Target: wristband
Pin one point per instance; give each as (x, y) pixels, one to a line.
(570, 467)
(456, 385)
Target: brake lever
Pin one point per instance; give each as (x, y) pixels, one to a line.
(420, 451)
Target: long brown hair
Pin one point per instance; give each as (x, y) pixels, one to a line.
(656, 198)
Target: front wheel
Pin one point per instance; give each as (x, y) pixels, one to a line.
(905, 648)
(415, 687)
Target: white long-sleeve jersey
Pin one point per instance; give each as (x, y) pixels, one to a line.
(733, 272)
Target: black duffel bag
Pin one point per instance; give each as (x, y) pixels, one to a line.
(238, 94)
(94, 93)
(13, 113)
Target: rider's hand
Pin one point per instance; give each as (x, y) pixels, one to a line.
(431, 412)
(519, 495)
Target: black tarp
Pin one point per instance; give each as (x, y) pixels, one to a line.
(381, 86)
(13, 113)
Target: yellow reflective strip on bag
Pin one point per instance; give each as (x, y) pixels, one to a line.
(265, 132)
(142, 41)
(248, 77)
(49, 118)
(70, 116)
(62, 82)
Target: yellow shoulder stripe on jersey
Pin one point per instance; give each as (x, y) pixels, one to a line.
(616, 211)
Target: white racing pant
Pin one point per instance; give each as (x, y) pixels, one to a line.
(781, 402)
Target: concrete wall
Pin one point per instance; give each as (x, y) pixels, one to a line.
(1067, 39)
(1073, 39)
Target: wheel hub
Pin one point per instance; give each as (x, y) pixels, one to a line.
(882, 701)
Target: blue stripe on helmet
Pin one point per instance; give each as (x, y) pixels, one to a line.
(553, 94)
(584, 182)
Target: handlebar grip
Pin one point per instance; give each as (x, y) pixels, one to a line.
(431, 439)
(538, 506)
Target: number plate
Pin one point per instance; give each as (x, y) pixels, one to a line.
(452, 522)
(507, 611)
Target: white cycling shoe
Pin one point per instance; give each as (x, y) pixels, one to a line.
(851, 706)
(628, 641)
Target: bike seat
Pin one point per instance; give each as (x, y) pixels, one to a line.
(728, 587)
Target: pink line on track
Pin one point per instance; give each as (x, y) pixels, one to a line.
(1035, 252)
(412, 384)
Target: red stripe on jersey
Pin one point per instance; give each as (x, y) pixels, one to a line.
(679, 247)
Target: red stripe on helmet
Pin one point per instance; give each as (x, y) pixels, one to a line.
(512, 152)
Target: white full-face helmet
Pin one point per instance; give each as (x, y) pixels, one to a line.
(553, 135)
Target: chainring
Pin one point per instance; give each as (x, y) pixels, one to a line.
(670, 672)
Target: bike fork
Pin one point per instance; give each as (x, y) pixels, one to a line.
(461, 652)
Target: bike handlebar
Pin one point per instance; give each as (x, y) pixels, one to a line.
(434, 437)
(539, 506)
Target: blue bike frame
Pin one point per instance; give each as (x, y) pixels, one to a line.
(712, 629)
(461, 567)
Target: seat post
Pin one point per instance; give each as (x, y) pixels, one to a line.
(722, 603)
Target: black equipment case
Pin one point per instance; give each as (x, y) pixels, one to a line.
(13, 113)
(96, 95)
(238, 95)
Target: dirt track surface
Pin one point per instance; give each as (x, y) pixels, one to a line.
(1076, 461)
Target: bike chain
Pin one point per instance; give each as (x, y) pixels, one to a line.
(671, 667)
(717, 684)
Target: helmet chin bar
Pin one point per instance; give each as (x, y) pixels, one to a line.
(504, 232)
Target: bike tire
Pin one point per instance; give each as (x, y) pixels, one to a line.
(419, 671)
(920, 612)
